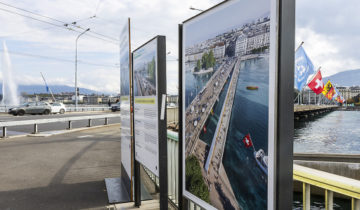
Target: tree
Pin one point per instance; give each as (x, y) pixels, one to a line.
(194, 180)
(211, 59)
(208, 60)
(151, 70)
(203, 60)
(198, 65)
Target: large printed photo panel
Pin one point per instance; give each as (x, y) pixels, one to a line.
(228, 77)
(145, 70)
(125, 106)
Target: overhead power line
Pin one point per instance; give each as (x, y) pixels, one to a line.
(63, 23)
(61, 59)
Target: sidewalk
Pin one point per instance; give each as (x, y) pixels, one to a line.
(59, 172)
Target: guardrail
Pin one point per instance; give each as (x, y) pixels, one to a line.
(330, 183)
(173, 168)
(308, 176)
(86, 109)
(68, 108)
(36, 122)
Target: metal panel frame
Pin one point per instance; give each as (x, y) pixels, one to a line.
(162, 129)
(285, 105)
(284, 119)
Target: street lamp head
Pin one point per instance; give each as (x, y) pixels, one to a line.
(193, 8)
(88, 29)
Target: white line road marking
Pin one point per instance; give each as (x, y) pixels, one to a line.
(85, 136)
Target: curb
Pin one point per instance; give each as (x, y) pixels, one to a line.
(58, 132)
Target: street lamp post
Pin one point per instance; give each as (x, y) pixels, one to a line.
(76, 88)
(200, 10)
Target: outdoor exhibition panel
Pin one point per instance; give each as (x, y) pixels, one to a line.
(149, 87)
(125, 108)
(230, 71)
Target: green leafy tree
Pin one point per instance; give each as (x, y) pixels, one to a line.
(194, 180)
(211, 59)
(203, 60)
(208, 60)
(198, 65)
(151, 70)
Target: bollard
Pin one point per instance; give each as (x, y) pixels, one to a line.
(4, 132)
(35, 128)
(89, 124)
(69, 125)
(106, 121)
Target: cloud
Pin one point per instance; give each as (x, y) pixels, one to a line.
(148, 18)
(325, 52)
(330, 31)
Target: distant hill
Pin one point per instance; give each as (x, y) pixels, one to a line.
(345, 78)
(31, 89)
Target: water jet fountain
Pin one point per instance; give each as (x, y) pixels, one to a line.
(9, 87)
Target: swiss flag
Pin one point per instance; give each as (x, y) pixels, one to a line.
(317, 84)
(247, 141)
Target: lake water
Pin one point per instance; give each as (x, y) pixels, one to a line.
(249, 115)
(335, 132)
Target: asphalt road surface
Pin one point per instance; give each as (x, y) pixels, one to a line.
(27, 129)
(59, 172)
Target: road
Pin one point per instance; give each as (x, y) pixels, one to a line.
(144, 87)
(199, 109)
(26, 129)
(59, 172)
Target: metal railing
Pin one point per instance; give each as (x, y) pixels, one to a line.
(36, 122)
(329, 182)
(69, 108)
(173, 168)
(87, 109)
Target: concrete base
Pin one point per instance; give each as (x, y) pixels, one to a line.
(117, 192)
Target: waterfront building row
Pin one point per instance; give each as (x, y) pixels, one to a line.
(240, 41)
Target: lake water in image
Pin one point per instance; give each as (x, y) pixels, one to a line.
(249, 115)
(335, 132)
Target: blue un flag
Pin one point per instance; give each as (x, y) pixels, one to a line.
(303, 68)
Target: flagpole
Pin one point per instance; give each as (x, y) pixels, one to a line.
(48, 87)
(252, 144)
(299, 90)
(299, 45)
(311, 80)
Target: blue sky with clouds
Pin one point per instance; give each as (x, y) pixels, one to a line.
(329, 28)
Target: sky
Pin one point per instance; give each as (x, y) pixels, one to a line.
(236, 15)
(329, 29)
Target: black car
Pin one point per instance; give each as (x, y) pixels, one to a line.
(115, 107)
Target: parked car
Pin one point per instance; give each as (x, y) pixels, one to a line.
(115, 107)
(58, 108)
(38, 107)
